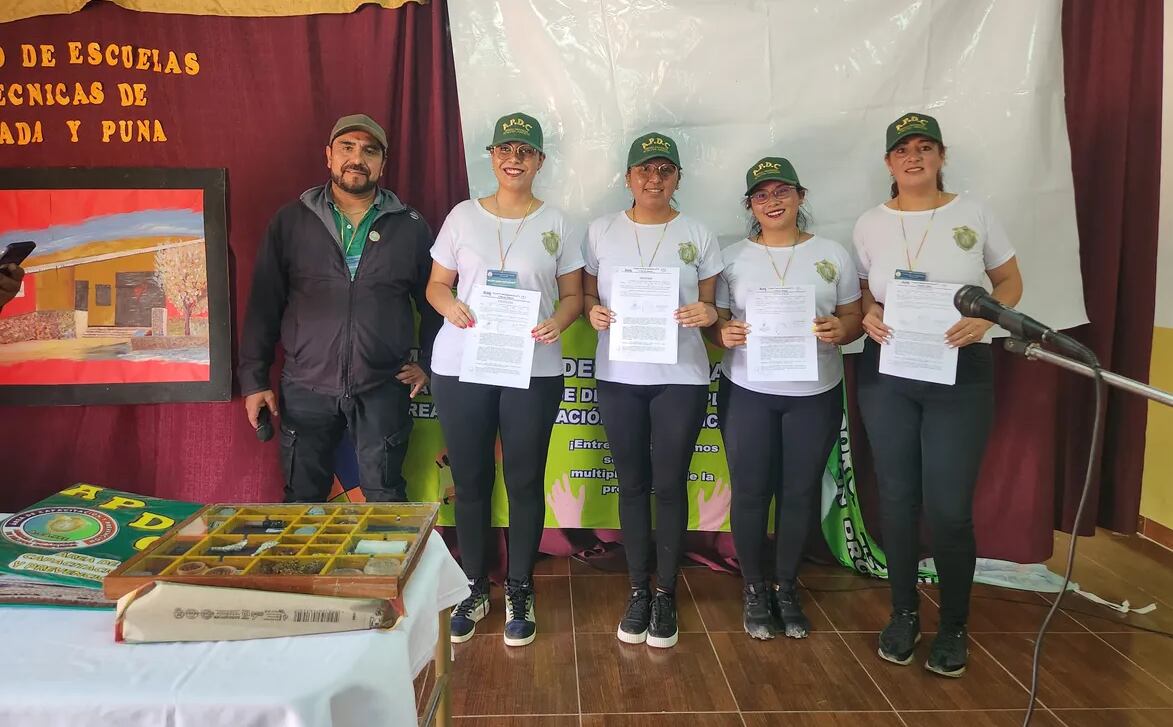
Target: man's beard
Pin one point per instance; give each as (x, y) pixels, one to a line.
(363, 187)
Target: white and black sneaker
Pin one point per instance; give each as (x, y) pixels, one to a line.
(662, 630)
(463, 623)
(633, 629)
(520, 624)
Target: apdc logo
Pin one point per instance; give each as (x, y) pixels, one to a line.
(60, 528)
(764, 168)
(517, 123)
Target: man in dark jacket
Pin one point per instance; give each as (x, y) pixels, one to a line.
(333, 282)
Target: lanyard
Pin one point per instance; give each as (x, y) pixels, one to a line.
(907, 253)
(781, 275)
(501, 250)
(346, 244)
(635, 229)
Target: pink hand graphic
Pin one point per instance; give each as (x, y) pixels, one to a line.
(713, 513)
(566, 505)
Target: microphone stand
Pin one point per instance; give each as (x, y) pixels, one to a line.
(1035, 352)
(1102, 378)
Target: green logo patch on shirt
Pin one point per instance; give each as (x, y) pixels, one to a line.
(551, 240)
(687, 252)
(827, 270)
(965, 237)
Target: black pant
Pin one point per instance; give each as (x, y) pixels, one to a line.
(777, 446)
(652, 431)
(470, 417)
(379, 421)
(928, 440)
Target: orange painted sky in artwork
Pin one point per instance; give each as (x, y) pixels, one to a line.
(36, 209)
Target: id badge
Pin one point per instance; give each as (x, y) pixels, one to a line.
(501, 278)
(911, 275)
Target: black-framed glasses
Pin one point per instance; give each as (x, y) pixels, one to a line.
(524, 152)
(782, 191)
(664, 169)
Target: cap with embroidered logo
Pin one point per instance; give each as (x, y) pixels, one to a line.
(518, 127)
(913, 124)
(770, 169)
(653, 146)
(359, 122)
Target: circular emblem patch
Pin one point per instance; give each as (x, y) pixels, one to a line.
(60, 528)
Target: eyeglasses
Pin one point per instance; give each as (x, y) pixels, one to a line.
(665, 170)
(782, 191)
(524, 152)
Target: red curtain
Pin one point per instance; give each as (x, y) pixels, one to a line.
(266, 95)
(270, 88)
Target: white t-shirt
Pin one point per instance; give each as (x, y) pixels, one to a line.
(963, 242)
(820, 262)
(610, 244)
(549, 245)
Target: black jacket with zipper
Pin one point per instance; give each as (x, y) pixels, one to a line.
(341, 337)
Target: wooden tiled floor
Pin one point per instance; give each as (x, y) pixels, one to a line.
(1099, 667)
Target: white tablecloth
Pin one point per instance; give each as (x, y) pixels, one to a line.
(61, 667)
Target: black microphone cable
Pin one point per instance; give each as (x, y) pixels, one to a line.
(1092, 465)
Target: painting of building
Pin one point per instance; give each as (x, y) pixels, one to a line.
(126, 287)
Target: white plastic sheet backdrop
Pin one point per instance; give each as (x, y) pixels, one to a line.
(816, 81)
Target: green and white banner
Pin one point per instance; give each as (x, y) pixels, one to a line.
(582, 488)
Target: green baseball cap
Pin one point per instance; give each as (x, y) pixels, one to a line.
(359, 122)
(653, 146)
(518, 127)
(769, 169)
(911, 124)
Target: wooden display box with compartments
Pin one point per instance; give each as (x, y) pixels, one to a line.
(357, 550)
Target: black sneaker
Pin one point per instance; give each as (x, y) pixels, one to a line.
(463, 623)
(757, 618)
(899, 638)
(949, 652)
(520, 625)
(633, 629)
(662, 631)
(791, 620)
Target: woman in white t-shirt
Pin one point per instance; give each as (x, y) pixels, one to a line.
(779, 433)
(509, 239)
(928, 438)
(642, 403)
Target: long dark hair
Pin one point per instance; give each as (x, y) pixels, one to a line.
(803, 221)
(895, 191)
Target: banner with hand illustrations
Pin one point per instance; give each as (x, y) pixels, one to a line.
(582, 488)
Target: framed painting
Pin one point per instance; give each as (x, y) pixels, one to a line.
(125, 297)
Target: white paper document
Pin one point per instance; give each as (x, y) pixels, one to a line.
(499, 348)
(919, 313)
(781, 345)
(644, 301)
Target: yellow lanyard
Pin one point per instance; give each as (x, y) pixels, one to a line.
(781, 275)
(354, 229)
(635, 229)
(504, 251)
(907, 253)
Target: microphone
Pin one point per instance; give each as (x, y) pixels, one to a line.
(264, 424)
(973, 301)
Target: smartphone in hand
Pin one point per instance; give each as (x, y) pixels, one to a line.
(15, 252)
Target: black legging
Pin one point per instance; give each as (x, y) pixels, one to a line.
(470, 417)
(928, 440)
(776, 446)
(652, 430)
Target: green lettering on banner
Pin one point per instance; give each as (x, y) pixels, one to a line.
(582, 487)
